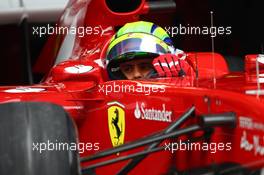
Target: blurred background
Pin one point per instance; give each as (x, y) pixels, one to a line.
(19, 46)
(17, 39)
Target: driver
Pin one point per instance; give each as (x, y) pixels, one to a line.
(142, 50)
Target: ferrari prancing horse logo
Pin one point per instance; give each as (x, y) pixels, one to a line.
(116, 125)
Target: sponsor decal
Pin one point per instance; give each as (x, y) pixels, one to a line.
(250, 124)
(116, 123)
(24, 90)
(252, 146)
(141, 112)
(78, 69)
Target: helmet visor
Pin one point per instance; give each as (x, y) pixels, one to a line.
(131, 45)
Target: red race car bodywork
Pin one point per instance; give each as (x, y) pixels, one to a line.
(78, 82)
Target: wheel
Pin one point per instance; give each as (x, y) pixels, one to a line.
(27, 132)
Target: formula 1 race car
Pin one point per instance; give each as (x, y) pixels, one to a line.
(76, 121)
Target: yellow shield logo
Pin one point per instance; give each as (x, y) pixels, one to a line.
(116, 125)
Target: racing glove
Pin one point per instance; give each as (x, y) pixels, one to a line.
(172, 65)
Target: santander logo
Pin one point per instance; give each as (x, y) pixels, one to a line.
(141, 112)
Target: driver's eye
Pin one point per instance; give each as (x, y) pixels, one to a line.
(126, 68)
(145, 66)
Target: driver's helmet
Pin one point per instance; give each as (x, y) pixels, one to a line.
(136, 40)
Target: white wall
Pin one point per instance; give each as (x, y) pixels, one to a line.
(11, 11)
(6, 4)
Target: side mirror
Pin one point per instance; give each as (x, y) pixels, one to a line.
(76, 74)
(203, 61)
(250, 62)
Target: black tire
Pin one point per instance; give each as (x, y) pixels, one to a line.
(22, 126)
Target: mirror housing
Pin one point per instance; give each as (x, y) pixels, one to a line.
(75, 71)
